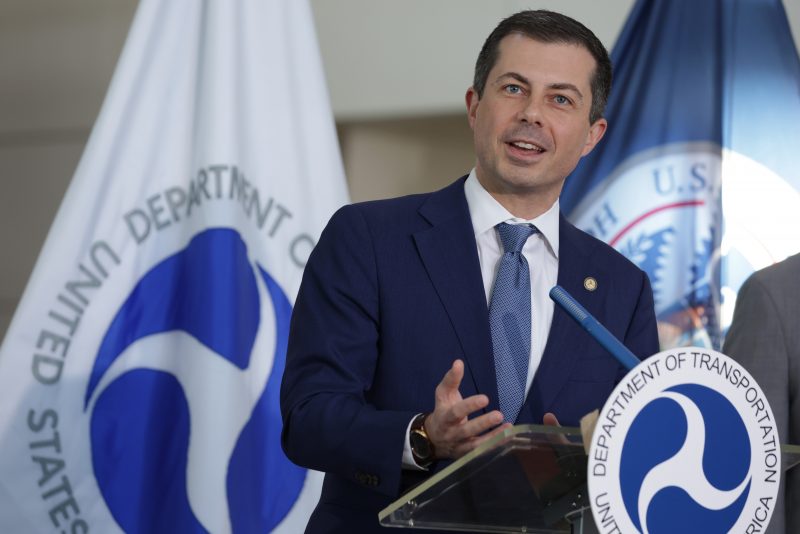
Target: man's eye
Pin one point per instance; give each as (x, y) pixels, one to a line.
(561, 99)
(513, 89)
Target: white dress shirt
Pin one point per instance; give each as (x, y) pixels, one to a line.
(541, 251)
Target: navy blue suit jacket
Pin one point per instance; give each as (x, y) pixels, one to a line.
(391, 295)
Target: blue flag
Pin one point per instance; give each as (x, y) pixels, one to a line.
(697, 179)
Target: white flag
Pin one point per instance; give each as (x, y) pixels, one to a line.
(140, 374)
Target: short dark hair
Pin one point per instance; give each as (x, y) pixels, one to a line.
(549, 27)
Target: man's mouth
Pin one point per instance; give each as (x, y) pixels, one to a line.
(527, 146)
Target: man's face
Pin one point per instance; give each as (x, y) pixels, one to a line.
(532, 124)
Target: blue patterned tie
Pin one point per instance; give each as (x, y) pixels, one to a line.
(510, 319)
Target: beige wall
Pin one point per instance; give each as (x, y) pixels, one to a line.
(397, 72)
(392, 58)
(56, 59)
(385, 158)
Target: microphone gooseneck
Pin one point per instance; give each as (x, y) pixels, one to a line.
(593, 327)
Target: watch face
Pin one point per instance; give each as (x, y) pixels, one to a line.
(420, 445)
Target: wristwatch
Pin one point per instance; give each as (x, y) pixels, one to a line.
(421, 446)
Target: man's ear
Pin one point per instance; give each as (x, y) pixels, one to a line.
(596, 132)
(472, 100)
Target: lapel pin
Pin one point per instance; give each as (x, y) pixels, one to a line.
(589, 283)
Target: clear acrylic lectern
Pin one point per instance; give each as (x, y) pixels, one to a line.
(529, 479)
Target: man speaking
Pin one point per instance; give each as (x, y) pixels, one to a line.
(423, 326)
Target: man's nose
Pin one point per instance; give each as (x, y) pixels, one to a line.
(531, 111)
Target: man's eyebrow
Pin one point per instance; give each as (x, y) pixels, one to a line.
(515, 75)
(566, 87)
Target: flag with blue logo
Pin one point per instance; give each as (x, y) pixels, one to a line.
(696, 180)
(140, 373)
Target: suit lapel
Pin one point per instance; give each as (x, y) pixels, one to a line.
(449, 254)
(562, 349)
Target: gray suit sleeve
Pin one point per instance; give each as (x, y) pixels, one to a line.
(758, 340)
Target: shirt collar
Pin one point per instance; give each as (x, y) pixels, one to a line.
(486, 213)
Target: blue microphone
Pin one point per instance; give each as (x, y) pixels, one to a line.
(593, 326)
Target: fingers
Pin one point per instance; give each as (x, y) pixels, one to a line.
(550, 419)
(449, 422)
(463, 428)
(448, 387)
(452, 437)
(460, 410)
(476, 441)
(480, 424)
(449, 427)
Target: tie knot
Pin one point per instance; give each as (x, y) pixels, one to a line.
(514, 236)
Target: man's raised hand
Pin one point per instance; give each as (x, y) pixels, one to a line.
(449, 428)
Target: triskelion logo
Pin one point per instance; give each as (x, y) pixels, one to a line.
(184, 416)
(686, 443)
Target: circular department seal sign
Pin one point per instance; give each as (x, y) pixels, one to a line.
(685, 443)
